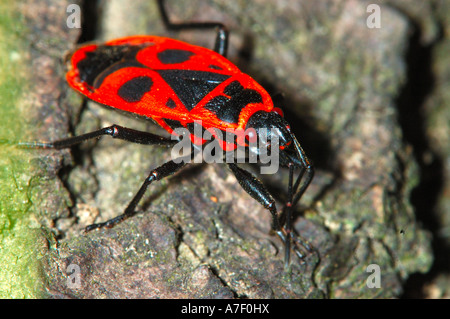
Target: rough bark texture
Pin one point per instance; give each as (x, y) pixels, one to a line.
(198, 234)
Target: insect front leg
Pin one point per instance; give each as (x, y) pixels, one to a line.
(256, 189)
(295, 192)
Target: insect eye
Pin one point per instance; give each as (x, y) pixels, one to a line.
(278, 111)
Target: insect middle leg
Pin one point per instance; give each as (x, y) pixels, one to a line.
(157, 174)
(129, 135)
(115, 131)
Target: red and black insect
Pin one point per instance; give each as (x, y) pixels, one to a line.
(178, 85)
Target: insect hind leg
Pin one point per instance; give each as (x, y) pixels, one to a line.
(221, 44)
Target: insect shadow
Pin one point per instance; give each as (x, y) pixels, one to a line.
(315, 143)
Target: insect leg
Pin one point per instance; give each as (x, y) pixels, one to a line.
(307, 168)
(221, 45)
(256, 189)
(288, 208)
(295, 193)
(114, 131)
(308, 172)
(157, 174)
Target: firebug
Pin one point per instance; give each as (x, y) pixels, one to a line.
(180, 85)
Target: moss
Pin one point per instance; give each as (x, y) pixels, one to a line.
(19, 268)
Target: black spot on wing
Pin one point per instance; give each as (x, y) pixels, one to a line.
(234, 88)
(192, 86)
(228, 108)
(171, 56)
(113, 68)
(106, 59)
(171, 103)
(134, 89)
